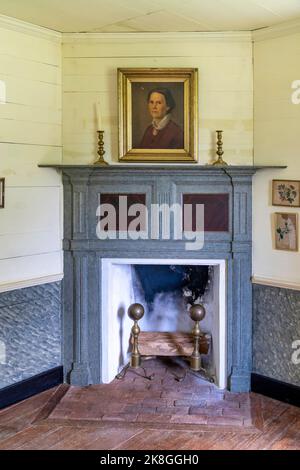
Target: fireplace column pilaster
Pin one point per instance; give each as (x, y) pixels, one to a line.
(240, 322)
(80, 373)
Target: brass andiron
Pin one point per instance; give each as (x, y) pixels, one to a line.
(197, 313)
(135, 312)
(101, 150)
(220, 152)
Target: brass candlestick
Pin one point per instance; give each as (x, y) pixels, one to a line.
(101, 150)
(197, 313)
(220, 152)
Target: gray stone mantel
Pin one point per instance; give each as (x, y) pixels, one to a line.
(157, 168)
(83, 253)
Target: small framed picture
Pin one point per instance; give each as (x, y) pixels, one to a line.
(2, 183)
(286, 231)
(286, 193)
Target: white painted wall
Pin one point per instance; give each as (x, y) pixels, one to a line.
(30, 133)
(224, 61)
(276, 141)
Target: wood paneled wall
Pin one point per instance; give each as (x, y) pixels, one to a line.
(30, 133)
(224, 61)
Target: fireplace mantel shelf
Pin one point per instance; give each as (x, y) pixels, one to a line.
(195, 168)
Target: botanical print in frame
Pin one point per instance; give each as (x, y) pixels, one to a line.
(158, 114)
(286, 231)
(286, 193)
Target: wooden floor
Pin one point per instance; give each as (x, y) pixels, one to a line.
(137, 413)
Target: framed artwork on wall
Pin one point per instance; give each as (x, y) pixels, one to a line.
(286, 231)
(2, 187)
(158, 114)
(286, 193)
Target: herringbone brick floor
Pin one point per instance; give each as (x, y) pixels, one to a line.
(136, 413)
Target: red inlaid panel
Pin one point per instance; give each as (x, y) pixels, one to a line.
(216, 211)
(113, 199)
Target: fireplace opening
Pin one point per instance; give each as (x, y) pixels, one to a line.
(166, 289)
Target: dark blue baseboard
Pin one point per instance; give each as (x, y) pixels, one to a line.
(276, 389)
(29, 387)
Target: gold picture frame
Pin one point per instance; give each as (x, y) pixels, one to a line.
(286, 231)
(158, 110)
(2, 192)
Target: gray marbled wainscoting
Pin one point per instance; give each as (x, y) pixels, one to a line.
(30, 332)
(276, 324)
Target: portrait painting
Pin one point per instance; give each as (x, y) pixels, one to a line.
(158, 115)
(286, 231)
(286, 193)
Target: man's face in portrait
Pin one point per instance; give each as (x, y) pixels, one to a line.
(157, 105)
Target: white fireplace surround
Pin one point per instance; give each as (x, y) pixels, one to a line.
(116, 299)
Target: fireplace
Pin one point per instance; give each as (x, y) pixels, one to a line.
(165, 307)
(89, 262)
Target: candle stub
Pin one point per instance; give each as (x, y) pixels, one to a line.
(99, 120)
